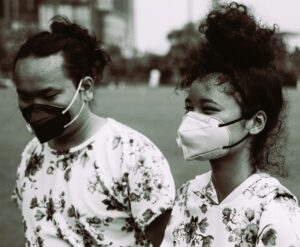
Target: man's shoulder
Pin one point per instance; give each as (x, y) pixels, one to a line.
(198, 183)
(119, 127)
(31, 146)
(116, 129)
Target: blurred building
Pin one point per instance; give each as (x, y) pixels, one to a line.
(110, 20)
(18, 13)
(116, 19)
(18, 19)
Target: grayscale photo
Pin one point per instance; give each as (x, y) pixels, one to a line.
(147, 123)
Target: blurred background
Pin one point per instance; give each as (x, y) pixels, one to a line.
(148, 41)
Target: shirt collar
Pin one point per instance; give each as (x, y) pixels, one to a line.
(211, 194)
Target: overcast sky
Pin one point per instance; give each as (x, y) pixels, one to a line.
(154, 19)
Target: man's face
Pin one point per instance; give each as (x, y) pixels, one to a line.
(43, 81)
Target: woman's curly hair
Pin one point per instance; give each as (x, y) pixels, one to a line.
(245, 52)
(82, 52)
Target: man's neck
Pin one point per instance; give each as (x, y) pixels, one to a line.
(85, 129)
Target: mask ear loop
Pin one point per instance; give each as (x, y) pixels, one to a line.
(65, 126)
(231, 122)
(237, 143)
(77, 91)
(64, 111)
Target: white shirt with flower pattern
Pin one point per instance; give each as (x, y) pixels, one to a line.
(258, 213)
(104, 192)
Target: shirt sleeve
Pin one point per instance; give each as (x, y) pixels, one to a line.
(151, 185)
(17, 194)
(280, 224)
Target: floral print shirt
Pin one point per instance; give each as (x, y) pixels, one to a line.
(258, 213)
(104, 192)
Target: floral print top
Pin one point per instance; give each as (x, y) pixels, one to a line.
(104, 192)
(258, 213)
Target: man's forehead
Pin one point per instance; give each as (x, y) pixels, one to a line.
(52, 64)
(48, 69)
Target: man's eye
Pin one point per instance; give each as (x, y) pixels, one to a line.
(50, 96)
(188, 108)
(24, 97)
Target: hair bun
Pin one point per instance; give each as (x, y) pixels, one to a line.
(234, 36)
(62, 25)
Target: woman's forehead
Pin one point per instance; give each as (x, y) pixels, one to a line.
(213, 83)
(213, 88)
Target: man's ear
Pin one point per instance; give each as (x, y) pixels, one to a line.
(257, 123)
(88, 88)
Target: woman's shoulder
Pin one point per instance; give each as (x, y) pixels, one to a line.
(279, 196)
(270, 188)
(280, 221)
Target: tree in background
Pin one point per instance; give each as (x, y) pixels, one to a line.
(137, 69)
(2, 51)
(181, 40)
(130, 70)
(295, 59)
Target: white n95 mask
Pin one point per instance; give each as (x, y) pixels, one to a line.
(204, 137)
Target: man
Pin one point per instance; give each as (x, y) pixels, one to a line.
(84, 180)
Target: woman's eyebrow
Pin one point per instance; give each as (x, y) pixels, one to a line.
(202, 101)
(207, 101)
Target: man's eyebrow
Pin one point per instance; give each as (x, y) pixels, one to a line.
(49, 89)
(19, 91)
(42, 91)
(187, 100)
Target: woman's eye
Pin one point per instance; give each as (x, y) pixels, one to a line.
(209, 110)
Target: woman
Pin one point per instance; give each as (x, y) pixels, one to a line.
(234, 119)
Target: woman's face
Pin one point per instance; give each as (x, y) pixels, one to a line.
(211, 98)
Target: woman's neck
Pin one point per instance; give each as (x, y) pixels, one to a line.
(229, 172)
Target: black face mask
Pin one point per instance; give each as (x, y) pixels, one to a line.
(52, 120)
(52, 123)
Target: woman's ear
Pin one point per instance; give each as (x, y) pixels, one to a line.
(257, 123)
(88, 88)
